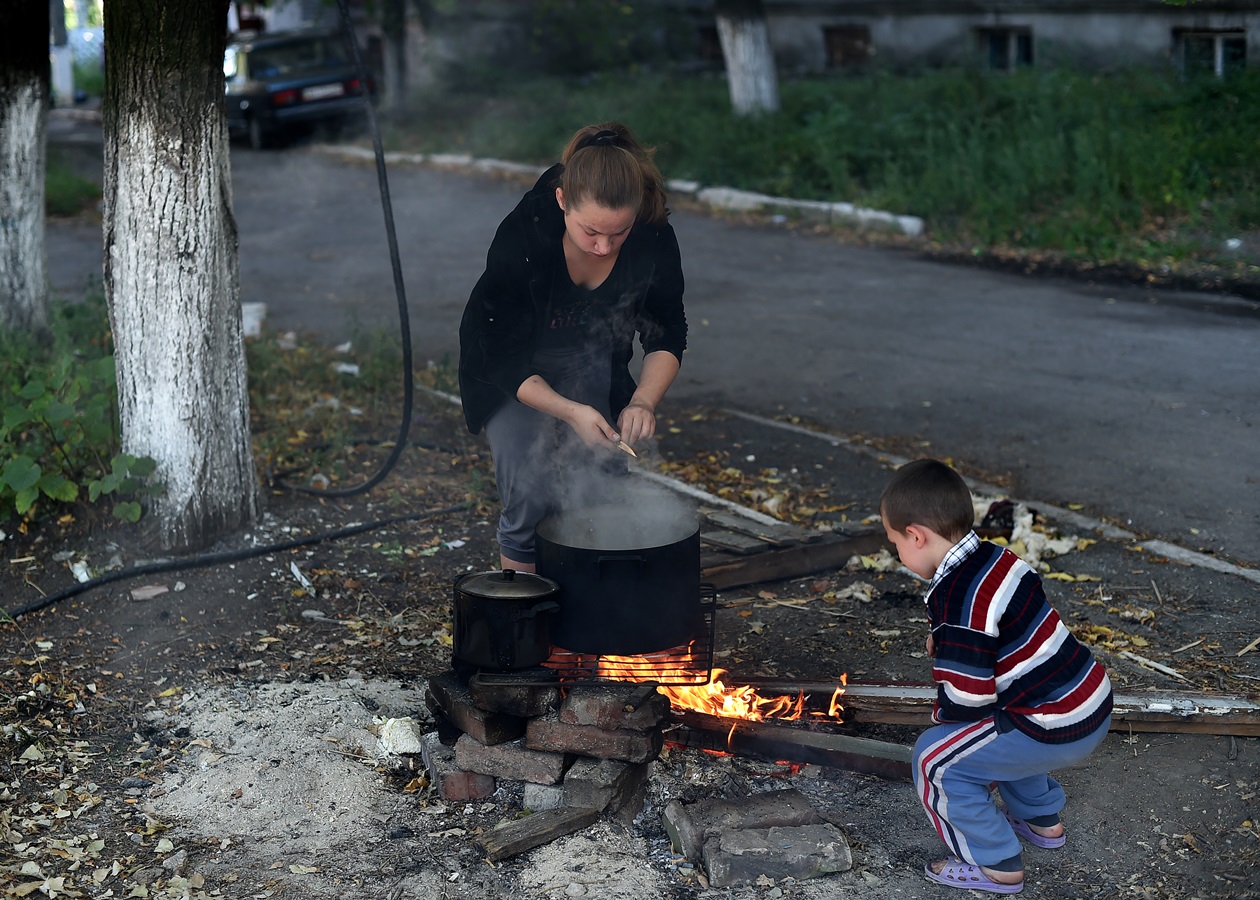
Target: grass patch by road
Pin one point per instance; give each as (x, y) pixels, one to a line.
(1133, 168)
(66, 193)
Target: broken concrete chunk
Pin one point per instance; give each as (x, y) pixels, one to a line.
(740, 856)
(603, 783)
(538, 797)
(691, 825)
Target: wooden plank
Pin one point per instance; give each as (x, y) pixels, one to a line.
(734, 542)
(1169, 713)
(780, 535)
(831, 551)
(534, 830)
(775, 741)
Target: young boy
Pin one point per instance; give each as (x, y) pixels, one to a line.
(1017, 695)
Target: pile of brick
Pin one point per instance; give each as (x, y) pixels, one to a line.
(578, 753)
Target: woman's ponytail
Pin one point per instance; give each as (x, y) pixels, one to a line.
(605, 164)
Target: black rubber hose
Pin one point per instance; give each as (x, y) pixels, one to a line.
(214, 559)
(404, 318)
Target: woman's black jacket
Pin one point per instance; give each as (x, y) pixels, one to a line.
(507, 310)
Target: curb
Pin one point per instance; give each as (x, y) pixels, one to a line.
(727, 199)
(77, 114)
(1051, 512)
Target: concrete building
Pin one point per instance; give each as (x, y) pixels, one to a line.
(826, 35)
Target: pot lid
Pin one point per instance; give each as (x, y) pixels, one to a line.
(507, 585)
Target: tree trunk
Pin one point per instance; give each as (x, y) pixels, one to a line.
(745, 40)
(172, 276)
(24, 28)
(394, 27)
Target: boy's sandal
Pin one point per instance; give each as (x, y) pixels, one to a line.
(959, 874)
(1024, 830)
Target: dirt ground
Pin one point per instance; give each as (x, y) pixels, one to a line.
(212, 731)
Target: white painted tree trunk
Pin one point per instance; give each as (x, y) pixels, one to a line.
(750, 73)
(23, 262)
(171, 272)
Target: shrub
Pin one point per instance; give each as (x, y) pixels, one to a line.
(59, 432)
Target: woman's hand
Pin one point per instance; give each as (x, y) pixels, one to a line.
(589, 425)
(586, 421)
(637, 422)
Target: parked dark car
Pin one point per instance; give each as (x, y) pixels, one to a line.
(283, 82)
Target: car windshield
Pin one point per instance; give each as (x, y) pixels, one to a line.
(302, 55)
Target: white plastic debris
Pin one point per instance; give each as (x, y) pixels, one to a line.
(252, 316)
(302, 579)
(400, 736)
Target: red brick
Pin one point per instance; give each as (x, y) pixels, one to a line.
(510, 760)
(525, 700)
(549, 733)
(615, 706)
(449, 695)
(448, 780)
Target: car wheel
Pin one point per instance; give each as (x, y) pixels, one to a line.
(257, 137)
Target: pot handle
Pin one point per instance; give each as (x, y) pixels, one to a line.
(545, 606)
(637, 559)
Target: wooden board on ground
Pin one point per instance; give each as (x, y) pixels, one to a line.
(1176, 712)
(774, 741)
(733, 542)
(787, 559)
(779, 534)
(534, 830)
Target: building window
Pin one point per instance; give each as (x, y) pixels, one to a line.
(1006, 48)
(1216, 53)
(710, 48)
(847, 45)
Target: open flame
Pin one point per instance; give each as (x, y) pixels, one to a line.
(743, 702)
(715, 698)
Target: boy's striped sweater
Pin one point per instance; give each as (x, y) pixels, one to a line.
(1001, 647)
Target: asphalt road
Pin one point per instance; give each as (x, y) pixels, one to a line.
(1140, 405)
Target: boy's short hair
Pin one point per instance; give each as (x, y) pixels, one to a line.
(927, 492)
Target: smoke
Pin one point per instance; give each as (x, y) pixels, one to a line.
(620, 512)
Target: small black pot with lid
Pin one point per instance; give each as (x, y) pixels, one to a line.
(502, 620)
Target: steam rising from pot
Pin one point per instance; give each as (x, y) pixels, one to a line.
(633, 515)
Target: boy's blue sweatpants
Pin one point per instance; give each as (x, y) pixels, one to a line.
(954, 765)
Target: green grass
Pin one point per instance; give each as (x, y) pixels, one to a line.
(66, 193)
(89, 77)
(1135, 167)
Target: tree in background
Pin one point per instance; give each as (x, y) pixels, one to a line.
(172, 276)
(745, 40)
(394, 27)
(24, 94)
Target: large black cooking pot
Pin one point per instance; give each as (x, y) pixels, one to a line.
(629, 577)
(502, 620)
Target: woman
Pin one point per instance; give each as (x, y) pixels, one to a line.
(585, 260)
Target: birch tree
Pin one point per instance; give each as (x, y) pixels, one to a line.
(745, 40)
(24, 92)
(171, 268)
